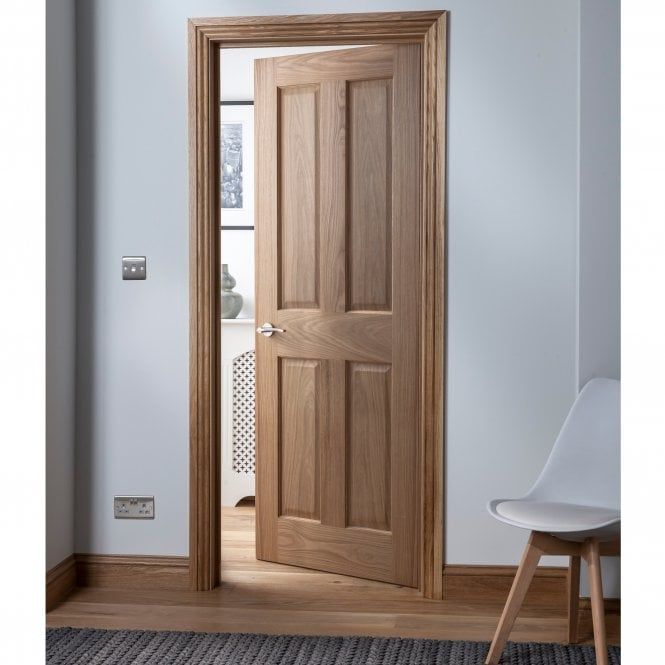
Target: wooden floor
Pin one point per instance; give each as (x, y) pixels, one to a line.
(256, 596)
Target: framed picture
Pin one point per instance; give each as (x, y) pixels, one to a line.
(237, 165)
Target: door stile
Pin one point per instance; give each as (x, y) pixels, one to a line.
(332, 189)
(405, 483)
(332, 278)
(267, 467)
(333, 455)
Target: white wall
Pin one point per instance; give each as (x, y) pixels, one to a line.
(60, 277)
(512, 368)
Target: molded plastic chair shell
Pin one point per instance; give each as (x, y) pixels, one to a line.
(577, 494)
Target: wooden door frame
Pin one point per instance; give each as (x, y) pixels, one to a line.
(206, 36)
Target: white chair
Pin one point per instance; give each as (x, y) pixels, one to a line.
(573, 509)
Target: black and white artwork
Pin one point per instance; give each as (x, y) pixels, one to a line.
(237, 164)
(232, 165)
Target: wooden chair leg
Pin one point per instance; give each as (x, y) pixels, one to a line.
(573, 598)
(527, 568)
(592, 557)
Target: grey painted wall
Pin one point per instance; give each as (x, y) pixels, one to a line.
(60, 277)
(599, 206)
(512, 218)
(512, 259)
(600, 175)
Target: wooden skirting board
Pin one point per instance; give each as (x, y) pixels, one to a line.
(60, 581)
(460, 583)
(133, 572)
(115, 572)
(492, 584)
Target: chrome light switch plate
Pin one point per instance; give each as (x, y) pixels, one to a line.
(134, 267)
(134, 507)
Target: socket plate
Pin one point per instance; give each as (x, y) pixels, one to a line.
(128, 507)
(134, 267)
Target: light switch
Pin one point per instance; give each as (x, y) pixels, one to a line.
(134, 267)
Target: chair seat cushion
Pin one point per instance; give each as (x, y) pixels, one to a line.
(552, 516)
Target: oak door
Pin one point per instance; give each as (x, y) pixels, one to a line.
(338, 153)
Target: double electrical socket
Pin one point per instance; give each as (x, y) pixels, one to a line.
(134, 507)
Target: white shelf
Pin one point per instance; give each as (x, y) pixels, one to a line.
(238, 322)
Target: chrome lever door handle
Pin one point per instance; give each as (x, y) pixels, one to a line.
(267, 329)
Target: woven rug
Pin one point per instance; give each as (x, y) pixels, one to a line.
(72, 646)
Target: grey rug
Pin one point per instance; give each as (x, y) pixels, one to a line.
(73, 646)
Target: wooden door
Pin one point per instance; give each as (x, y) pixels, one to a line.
(338, 153)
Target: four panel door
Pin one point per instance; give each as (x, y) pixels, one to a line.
(338, 154)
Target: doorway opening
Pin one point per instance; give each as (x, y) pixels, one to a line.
(292, 528)
(238, 306)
